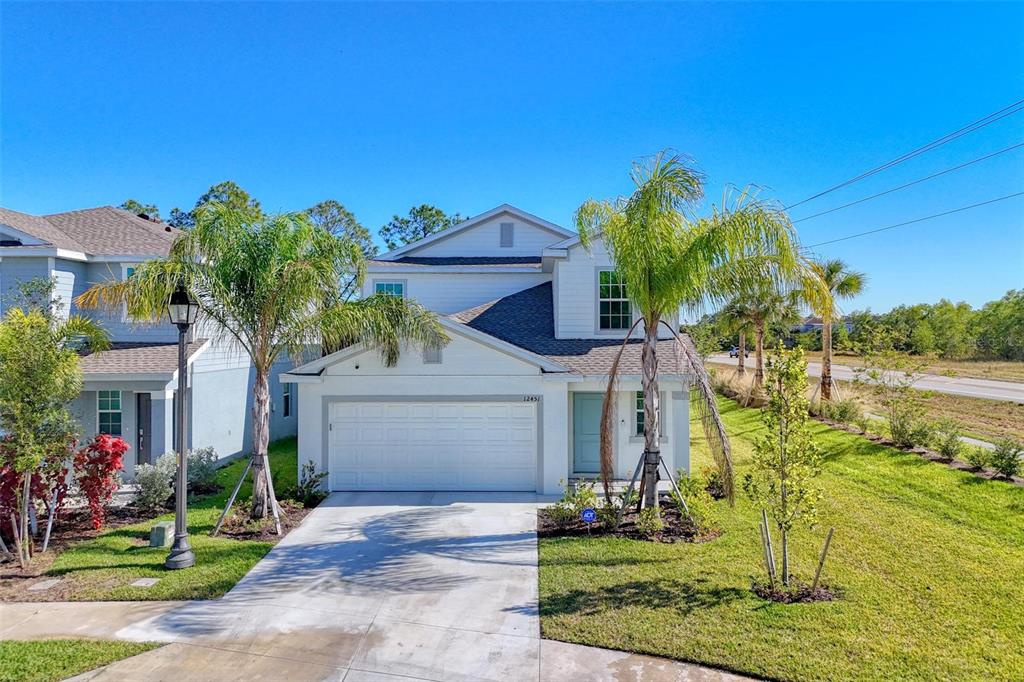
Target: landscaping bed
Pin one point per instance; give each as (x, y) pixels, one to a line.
(102, 565)
(677, 527)
(928, 561)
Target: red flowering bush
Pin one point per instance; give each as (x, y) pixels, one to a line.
(49, 484)
(96, 467)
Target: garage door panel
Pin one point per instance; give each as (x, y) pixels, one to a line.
(432, 446)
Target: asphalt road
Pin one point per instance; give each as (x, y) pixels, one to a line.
(965, 386)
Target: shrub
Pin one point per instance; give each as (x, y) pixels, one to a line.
(96, 472)
(202, 471)
(574, 500)
(946, 438)
(1005, 459)
(203, 465)
(649, 522)
(155, 486)
(907, 429)
(712, 482)
(842, 411)
(698, 502)
(309, 492)
(977, 456)
(863, 423)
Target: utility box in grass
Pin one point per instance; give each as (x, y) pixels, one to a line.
(162, 534)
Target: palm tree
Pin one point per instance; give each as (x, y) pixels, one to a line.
(766, 303)
(842, 283)
(670, 258)
(272, 283)
(734, 318)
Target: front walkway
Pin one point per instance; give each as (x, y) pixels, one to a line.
(376, 587)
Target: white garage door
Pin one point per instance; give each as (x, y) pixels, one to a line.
(433, 446)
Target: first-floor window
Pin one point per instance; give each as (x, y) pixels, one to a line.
(286, 400)
(390, 288)
(640, 414)
(109, 412)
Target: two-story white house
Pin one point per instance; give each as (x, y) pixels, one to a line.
(130, 390)
(513, 403)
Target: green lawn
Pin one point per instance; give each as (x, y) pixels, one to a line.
(103, 568)
(57, 659)
(931, 561)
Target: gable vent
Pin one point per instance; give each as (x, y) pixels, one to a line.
(506, 234)
(9, 242)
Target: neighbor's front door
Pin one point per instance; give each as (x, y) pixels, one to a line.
(586, 432)
(143, 423)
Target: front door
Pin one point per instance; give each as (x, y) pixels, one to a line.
(586, 432)
(143, 423)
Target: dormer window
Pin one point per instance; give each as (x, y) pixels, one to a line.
(613, 310)
(391, 288)
(507, 235)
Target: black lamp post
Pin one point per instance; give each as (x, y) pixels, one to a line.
(182, 311)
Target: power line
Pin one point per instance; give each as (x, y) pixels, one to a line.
(916, 220)
(914, 182)
(949, 137)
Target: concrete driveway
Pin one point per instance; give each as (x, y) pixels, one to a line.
(383, 586)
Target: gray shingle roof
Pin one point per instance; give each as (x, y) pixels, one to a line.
(137, 358)
(481, 261)
(526, 319)
(102, 231)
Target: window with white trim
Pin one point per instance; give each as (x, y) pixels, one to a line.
(639, 411)
(108, 412)
(613, 310)
(389, 288)
(286, 400)
(507, 234)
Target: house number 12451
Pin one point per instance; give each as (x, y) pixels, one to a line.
(531, 398)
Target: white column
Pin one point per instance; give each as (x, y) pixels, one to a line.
(554, 423)
(681, 429)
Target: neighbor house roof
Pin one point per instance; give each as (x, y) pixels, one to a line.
(102, 231)
(461, 261)
(526, 319)
(138, 358)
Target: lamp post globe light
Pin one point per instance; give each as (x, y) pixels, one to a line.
(182, 311)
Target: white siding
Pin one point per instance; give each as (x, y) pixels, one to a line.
(451, 292)
(485, 240)
(575, 291)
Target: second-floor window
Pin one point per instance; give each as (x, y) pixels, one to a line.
(108, 412)
(389, 288)
(613, 310)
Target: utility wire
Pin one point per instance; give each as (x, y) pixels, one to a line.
(914, 182)
(916, 220)
(949, 137)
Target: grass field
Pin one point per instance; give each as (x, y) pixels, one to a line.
(1003, 370)
(103, 568)
(929, 559)
(58, 659)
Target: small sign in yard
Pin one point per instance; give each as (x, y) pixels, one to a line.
(588, 515)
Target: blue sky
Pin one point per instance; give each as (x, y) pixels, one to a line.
(467, 106)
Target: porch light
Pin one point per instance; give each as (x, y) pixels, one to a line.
(182, 308)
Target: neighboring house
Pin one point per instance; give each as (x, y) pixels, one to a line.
(514, 401)
(130, 390)
(814, 323)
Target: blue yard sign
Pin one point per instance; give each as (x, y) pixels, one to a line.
(588, 515)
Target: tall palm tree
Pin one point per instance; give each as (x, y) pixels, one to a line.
(273, 284)
(842, 283)
(670, 258)
(768, 302)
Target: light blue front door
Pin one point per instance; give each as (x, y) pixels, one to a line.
(586, 432)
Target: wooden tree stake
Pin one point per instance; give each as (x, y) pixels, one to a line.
(821, 561)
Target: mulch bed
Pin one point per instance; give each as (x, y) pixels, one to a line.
(796, 593)
(925, 453)
(676, 527)
(238, 527)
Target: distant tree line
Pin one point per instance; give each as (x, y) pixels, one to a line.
(948, 330)
(421, 221)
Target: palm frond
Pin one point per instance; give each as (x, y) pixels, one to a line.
(78, 327)
(606, 448)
